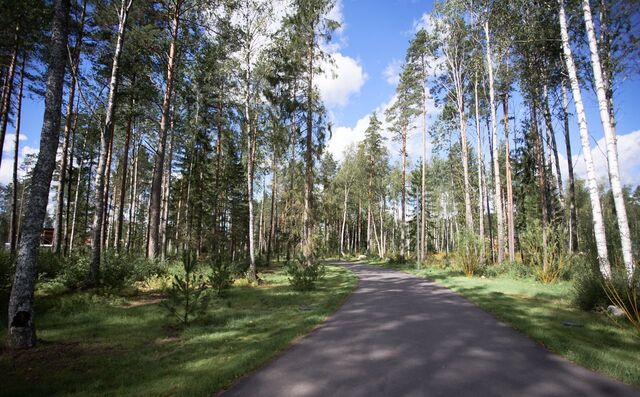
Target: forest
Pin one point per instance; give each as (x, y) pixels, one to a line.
(183, 156)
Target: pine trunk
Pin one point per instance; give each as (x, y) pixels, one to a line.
(22, 333)
(155, 200)
(105, 139)
(13, 236)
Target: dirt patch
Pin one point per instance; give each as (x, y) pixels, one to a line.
(144, 300)
(49, 358)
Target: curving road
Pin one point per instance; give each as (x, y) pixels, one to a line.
(398, 335)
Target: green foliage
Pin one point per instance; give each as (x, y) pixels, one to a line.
(304, 274)
(121, 270)
(117, 271)
(513, 270)
(73, 273)
(588, 291)
(469, 248)
(49, 264)
(186, 299)
(7, 267)
(222, 275)
(625, 294)
(545, 252)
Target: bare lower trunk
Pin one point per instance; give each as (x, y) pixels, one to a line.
(22, 333)
(480, 170)
(596, 209)
(123, 183)
(57, 227)
(166, 190)
(8, 89)
(105, 139)
(573, 216)
(496, 165)
(155, 200)
(344, 220)
(611, 141)
(13, 236)
(403, 245)
(511, 243)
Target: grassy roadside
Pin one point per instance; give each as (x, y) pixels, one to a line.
(544, 313)
(113, 346)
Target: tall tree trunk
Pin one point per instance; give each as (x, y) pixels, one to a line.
(423, 179)
(573, 216)
(248, 125)
(511, 231)
(67, 220)
(22, 333)
(13, 236)
(123, 181)
(166, 190)
(133, 200)
(468, 217)
(496, 164)
(481, 189)
(596, 209)
(8, 89)
(612, 145)
(155, 200)
(57, 227)
(344, 220)
(541, 168)
(552, 142)
(75, 204)
(307, 235)
(105, 139)
(403, 245)
(274, 192)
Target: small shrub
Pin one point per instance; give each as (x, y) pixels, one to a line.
(588, 291)
(222, 275)
(186, 298)
(546, 252)
(508, 269)
(74, 270)
(625, 294)
(469, 248)
(302, 275)
(49, 264)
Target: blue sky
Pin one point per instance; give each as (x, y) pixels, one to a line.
(367, 49)
(376, 34)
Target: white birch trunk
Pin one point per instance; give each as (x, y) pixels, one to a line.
(611, 141)
(496, 165)
(598, 223)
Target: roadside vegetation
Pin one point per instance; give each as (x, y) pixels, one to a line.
(120, 340)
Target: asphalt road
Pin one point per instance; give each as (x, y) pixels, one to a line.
(398, 335)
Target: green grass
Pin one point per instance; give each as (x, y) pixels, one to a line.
(539, 310)
(94, 345)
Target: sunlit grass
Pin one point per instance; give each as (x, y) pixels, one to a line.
(544, 312)
(112, 346)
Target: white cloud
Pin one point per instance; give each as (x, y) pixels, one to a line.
(425, 22)
(343, 137)
(628, 159)
(6, 169)
(341, 80)
(9, 142)
(392, 72)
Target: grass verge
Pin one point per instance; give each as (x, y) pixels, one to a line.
(544, 313)
(95, 345)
